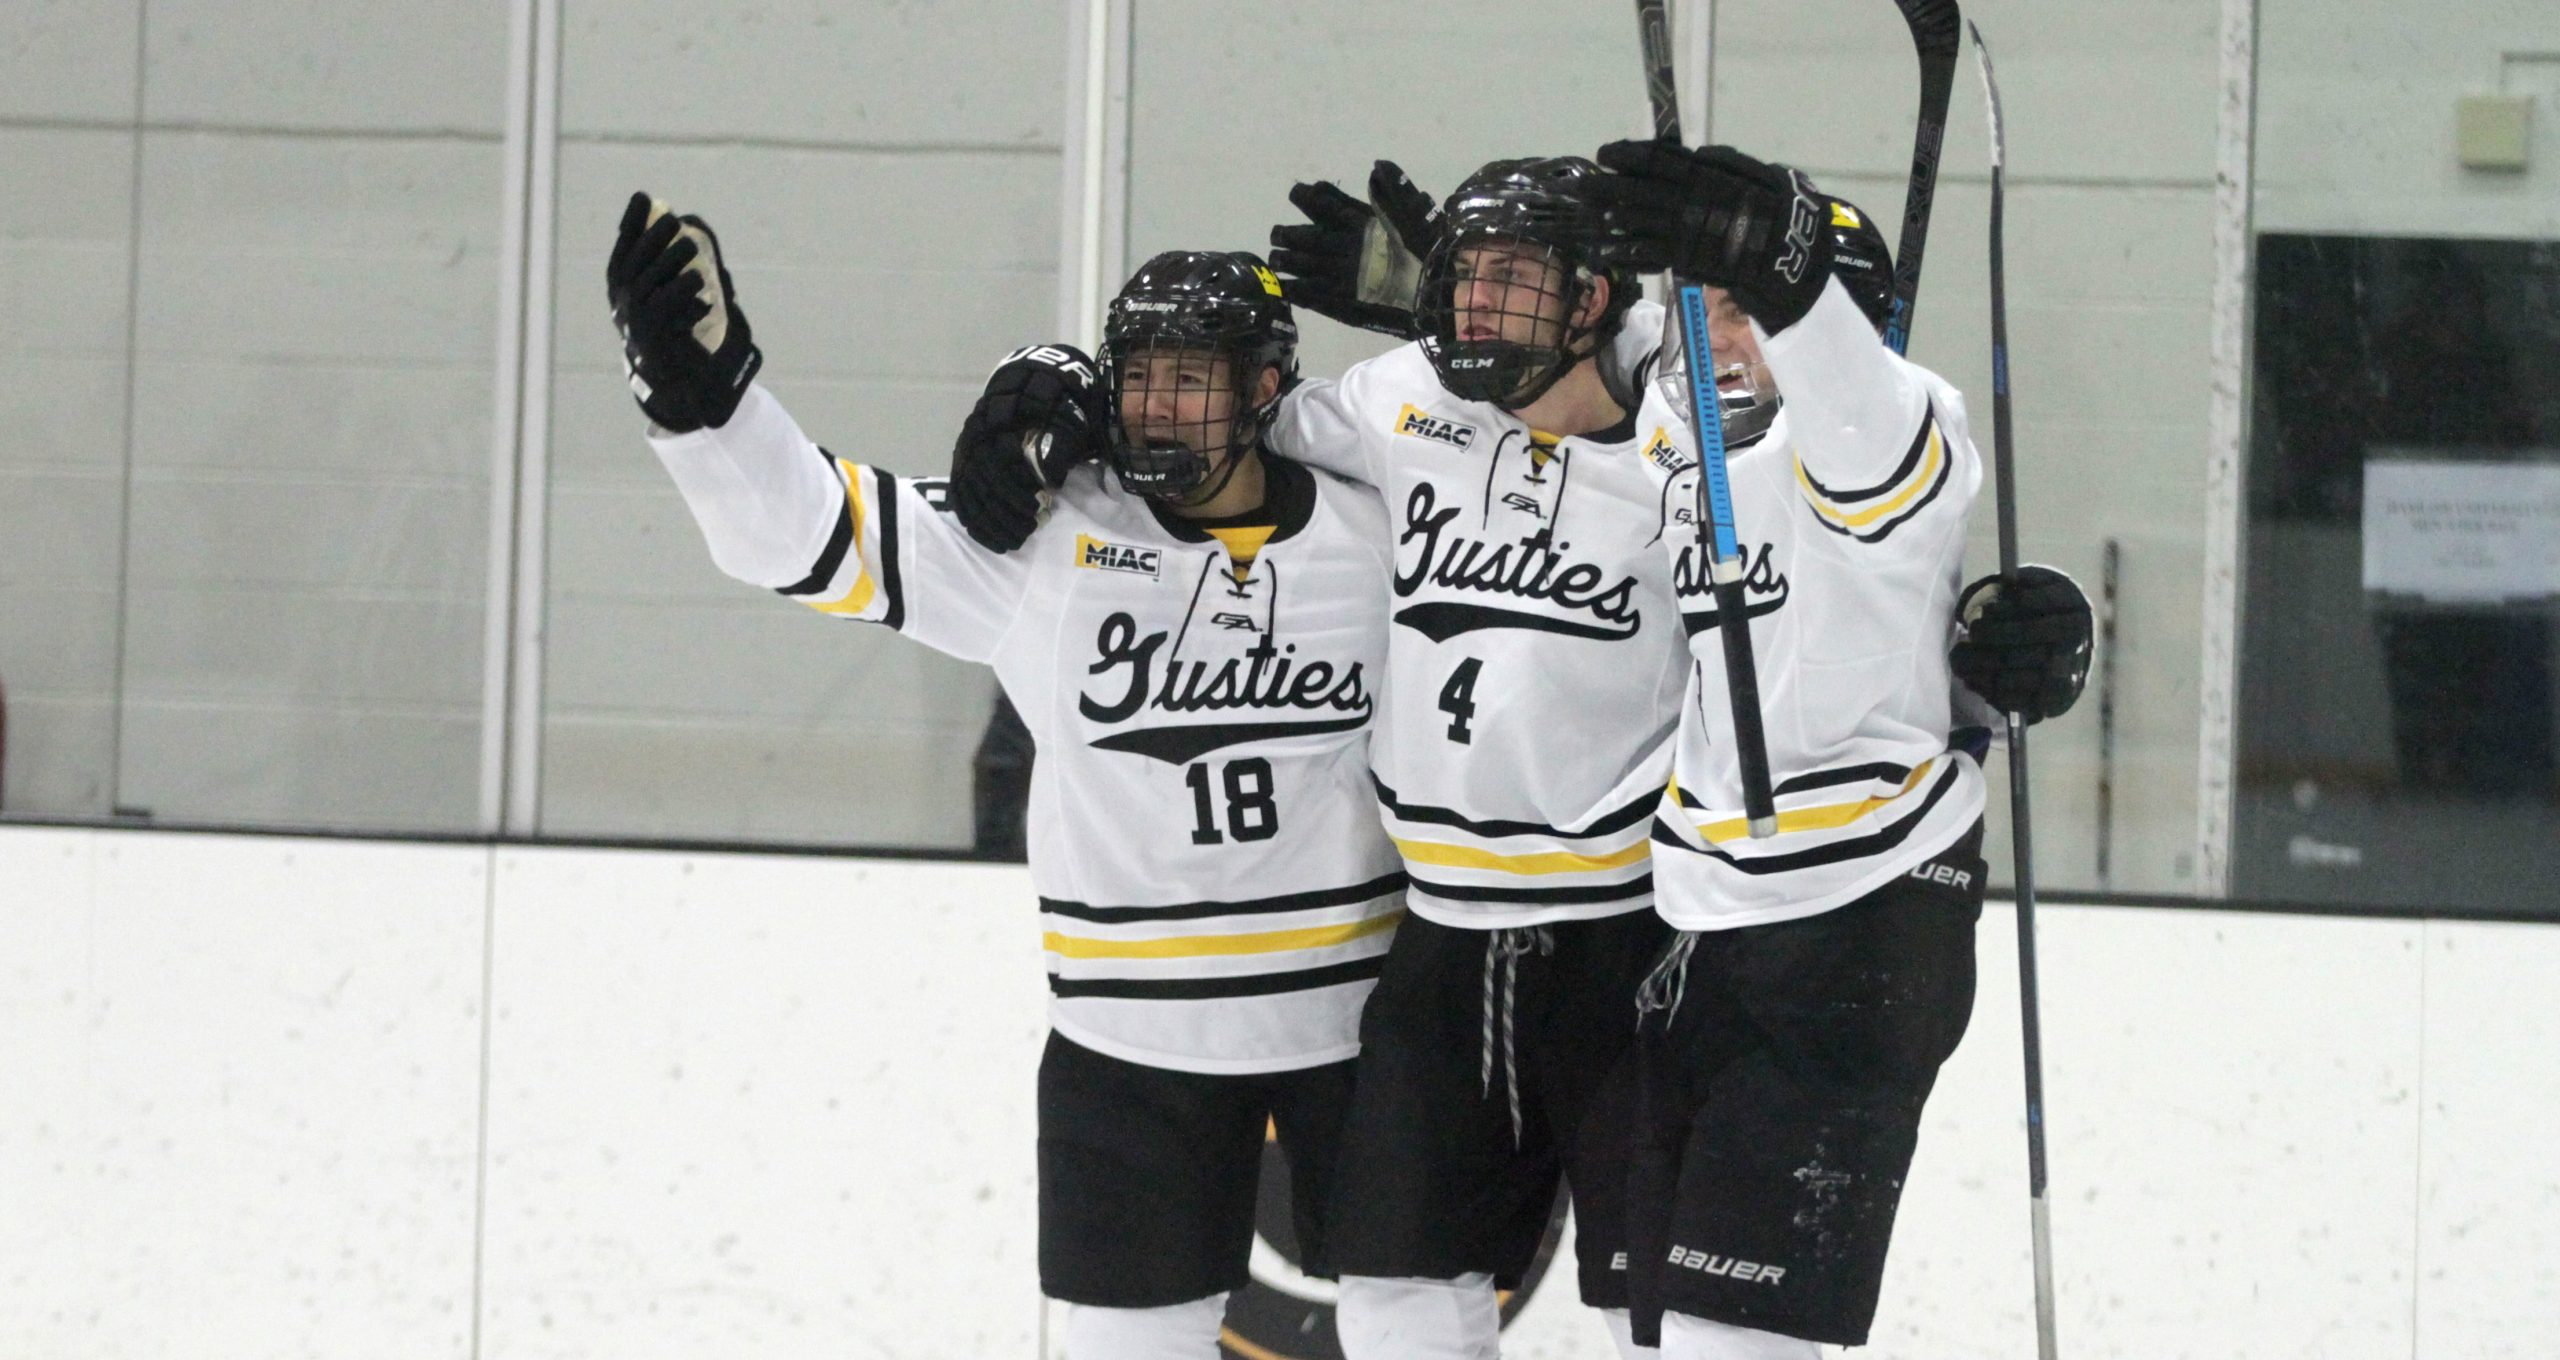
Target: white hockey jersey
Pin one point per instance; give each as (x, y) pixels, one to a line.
(1215, 892)
(1535, 665)
(1851, 513)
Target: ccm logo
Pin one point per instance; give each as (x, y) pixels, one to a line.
(1947, 874)
(1693, 1259)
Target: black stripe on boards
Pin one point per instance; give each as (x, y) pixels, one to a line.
(831, 557)
(1901, 473)
(892, 584)
(1194, 911)
(1550, 897)
(1608, 824)
(1215, 988)
(1862, 847)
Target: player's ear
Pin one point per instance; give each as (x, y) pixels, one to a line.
(1266, 388)
(1595, 302)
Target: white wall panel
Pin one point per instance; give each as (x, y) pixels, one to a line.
(329, 64)
(68, 58)
(2356, 118)
(877, 72)
(62, 430)
(783, 1106)
(243, 1093)
(761, 1106)
(2489, 1171)
(2234, 1113)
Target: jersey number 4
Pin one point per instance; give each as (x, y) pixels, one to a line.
(1252, 814)
(1458, 699)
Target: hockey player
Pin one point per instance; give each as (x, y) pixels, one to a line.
(1822, 973)
(1198, 655)
(1519, 761)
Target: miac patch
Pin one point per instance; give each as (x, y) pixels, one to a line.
(1421, 424)
(1101, 556)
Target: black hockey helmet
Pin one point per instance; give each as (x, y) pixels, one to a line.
(1226, 303)
(1542, 207)
(1860, 260)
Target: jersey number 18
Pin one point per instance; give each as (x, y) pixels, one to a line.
(1252, 815)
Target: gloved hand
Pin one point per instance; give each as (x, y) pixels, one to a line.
(1359, 263)
(2026, 642)
(1713, 215)
(686, 348)
(1043, 412)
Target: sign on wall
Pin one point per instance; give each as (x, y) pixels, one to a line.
(2461, 532)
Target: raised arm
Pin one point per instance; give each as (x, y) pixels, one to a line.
(776, 511)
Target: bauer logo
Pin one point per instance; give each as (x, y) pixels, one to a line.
(1708, 1263)
(1284, 1313)
(1100, 556)
(1414, 421)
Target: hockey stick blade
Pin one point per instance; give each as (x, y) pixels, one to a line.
(1653, 25)
(2022, 842)
(1937, 35)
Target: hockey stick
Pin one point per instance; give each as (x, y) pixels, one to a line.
(1937, 31)
(1725, 565)
(2004, 464)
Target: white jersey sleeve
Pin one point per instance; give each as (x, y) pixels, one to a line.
(1319, 425)
(844, 538)
(1869, 430)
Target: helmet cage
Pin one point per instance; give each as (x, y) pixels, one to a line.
(1526, 292)
(1165, 340)
(1534, 210)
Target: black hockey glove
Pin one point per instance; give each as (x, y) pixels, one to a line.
(2026, 642)
(1042, 413)
(1713, 215)
(1359, 263)
(686, 348)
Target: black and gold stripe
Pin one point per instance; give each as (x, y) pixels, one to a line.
(1879, 842)
(1869, 514)
(1217, 988)
(874, 580)
(1609, 824)
(1198, 911)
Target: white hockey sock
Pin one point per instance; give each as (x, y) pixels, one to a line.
(1695, 1338)
(1622, 1331)
(1181, 1331)
(1402, 1319)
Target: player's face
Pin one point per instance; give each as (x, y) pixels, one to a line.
(1511, 291)
(1182, 396)
(1737, 350)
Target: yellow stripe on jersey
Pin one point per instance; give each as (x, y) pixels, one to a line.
(858, 597)
(1447, 856)
(1210, 946)
(1821, 817)
(1918, 482)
